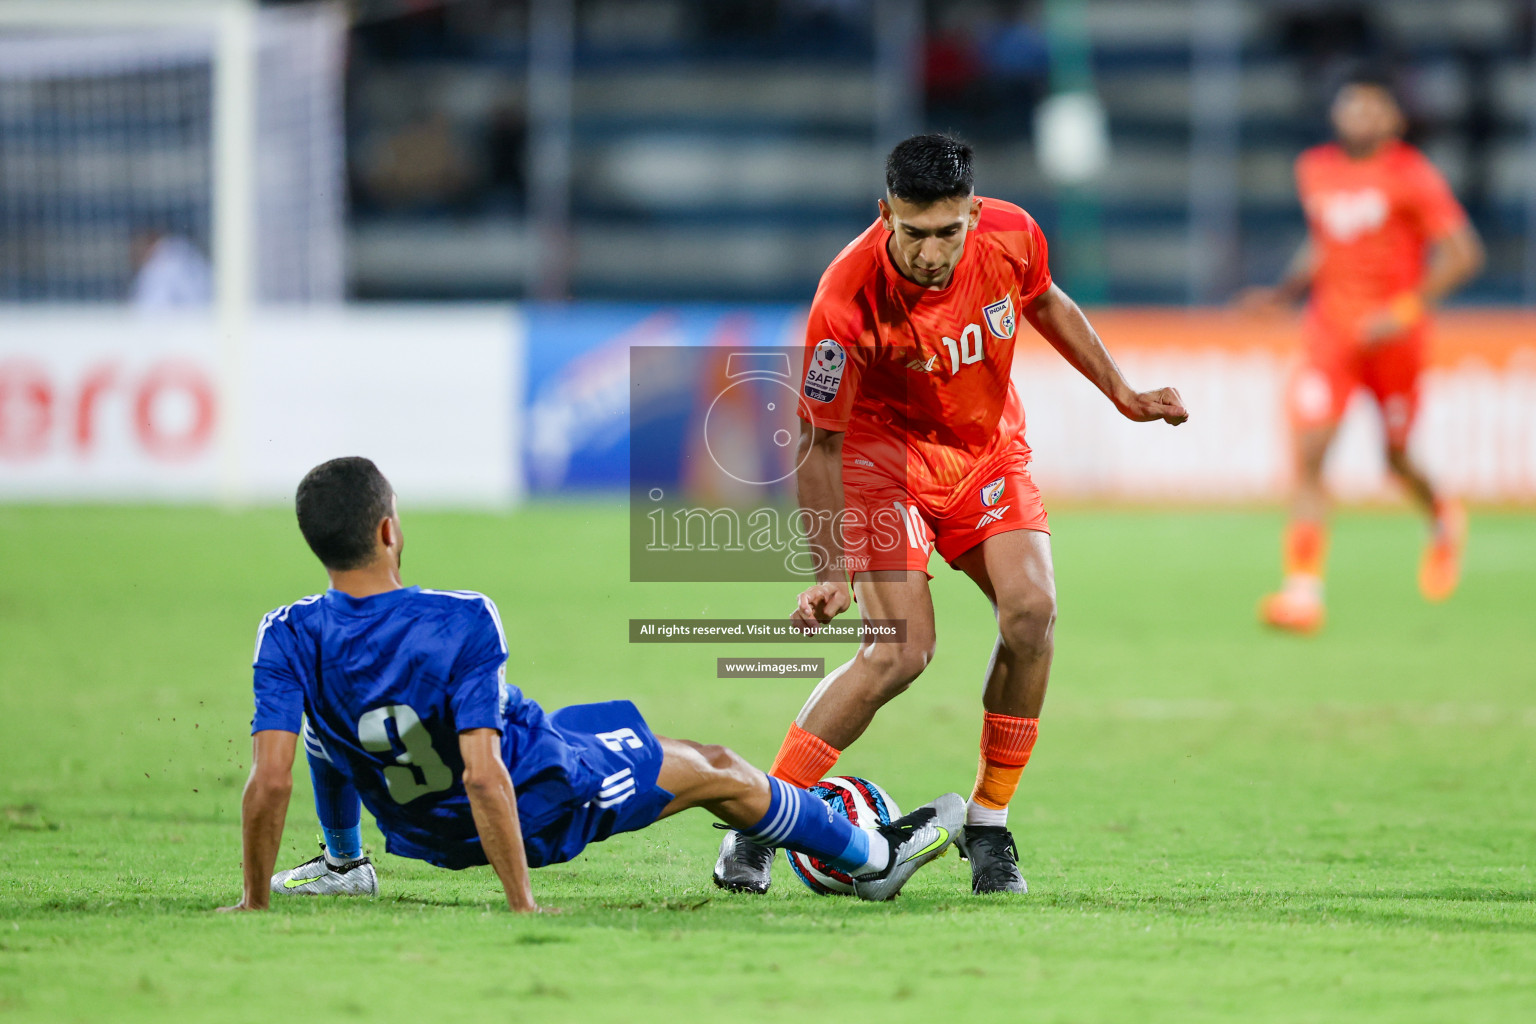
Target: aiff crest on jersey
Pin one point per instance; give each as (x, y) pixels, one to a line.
(1000, 320)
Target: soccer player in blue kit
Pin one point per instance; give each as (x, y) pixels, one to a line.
(401, 698)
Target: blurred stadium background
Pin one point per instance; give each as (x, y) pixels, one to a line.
(236, 238)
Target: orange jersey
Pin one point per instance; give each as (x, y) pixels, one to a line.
(1371, 222)
(920, 379)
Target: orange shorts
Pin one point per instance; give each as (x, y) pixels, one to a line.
(1333, 366)
(886, 526)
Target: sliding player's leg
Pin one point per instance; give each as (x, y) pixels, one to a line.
(771, 813)
(842, 705)
(341, 869)
(639, 777)
(1015, 571)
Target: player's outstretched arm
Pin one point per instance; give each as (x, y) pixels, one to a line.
(819, 486)
(263, 809)
(493, 802)
(1062, 323)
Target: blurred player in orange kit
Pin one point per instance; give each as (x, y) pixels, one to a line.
(1386, 241)
(913, 439)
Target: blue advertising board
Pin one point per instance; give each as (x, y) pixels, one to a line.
(577, 406)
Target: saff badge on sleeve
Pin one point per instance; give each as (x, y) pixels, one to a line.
(825, 374)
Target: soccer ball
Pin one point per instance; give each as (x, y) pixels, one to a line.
(861, 802)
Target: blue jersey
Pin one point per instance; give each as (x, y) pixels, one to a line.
(381, 687)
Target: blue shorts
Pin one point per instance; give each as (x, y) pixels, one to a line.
(620, 759)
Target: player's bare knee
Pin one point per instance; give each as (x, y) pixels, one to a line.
(1027, 624)
(700, 774)
(728, 764)
(895, 666)
(720, 758)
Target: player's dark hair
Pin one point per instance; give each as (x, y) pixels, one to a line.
(927, 168)
(1375, 76)
(340, 504)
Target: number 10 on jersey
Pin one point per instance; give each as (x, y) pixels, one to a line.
(969, 349)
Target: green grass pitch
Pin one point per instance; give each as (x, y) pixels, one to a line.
(1219, 824)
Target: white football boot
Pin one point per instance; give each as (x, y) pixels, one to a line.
(915, 839)
(319, 877)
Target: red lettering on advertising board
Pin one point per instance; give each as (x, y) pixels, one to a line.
(96, 382)
(166, 379)
(171, 411)
(26, 410)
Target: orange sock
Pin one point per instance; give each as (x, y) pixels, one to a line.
(804, 759)
(1306, 548)
(1006, 743)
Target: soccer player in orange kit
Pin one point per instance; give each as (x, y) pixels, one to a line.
(1386, 241)
(913, 438)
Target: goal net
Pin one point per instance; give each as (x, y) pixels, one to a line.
(118, 181)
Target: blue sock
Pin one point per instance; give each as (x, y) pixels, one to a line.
(798, 820)
(338, 808)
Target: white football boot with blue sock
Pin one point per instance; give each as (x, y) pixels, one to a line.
(326, 875)
(341, 869)
(880, 860)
